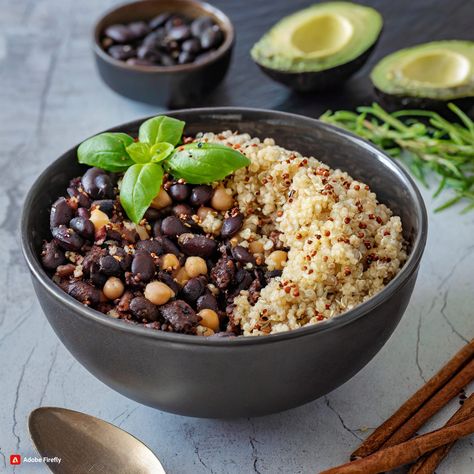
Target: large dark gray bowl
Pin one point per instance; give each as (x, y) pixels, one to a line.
(211, 377)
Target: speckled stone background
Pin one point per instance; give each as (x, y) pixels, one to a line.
(52, 98)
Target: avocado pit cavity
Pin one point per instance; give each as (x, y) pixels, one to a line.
(437, 69)
(322, 35)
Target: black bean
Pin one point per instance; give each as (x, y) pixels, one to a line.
(179, 192)
(172, 226)
(150, 245)
(159, 20)
(109, 266)
(180, 315)
(84, 292)
(141, 308)
(82, 198)
(193, 289)
(61, 213)
(83, 212)
(139, 29)
(155, 39)
(241, 254)
(152, 214)
(167, 60)
(143, 266)
(119, 33)
(166, 278)
(198, 245)
(211, 38)
(105, 205)
(124, 259)
(199, 25)
(157, 228)
(242, 280)
(52, 255)
(173, 21)
(88, 181)
(192, 45)
(121, 51)
(183, 211)
(207, 301)
(92, 257)
(105, 186)
(180, 33)
(169, 246)
(200, 195)
(149, 53)
(232, 225)
(67, 238)
(185, 57)
(84, 227)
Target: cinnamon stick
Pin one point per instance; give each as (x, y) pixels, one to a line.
(428, 463)
(395, 456)
(433, 405)
(384, 431)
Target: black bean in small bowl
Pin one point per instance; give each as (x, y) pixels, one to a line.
(166, 53)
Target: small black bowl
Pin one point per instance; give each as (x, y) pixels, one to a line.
(246, 376)
(171, 86)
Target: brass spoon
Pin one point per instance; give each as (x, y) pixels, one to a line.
(87, 444)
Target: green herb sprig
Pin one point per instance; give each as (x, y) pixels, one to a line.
(425, 141)
(157, 150)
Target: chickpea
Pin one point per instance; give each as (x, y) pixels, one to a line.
(182, 277)
(113, 288)
(209, 319)
(221, 200)
(169, 261)
(277, 260)
(195, 266)
(203, 331)
(203, 211)
(99, 218)
(255, 247)
(161, 200)
(158, 293)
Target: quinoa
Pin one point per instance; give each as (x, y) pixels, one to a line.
(343, 245)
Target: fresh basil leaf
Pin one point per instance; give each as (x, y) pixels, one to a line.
(161, 129)
(161, 151)
(201, 163)
(123, 137)
(106, 151)
(140, 184)
(139, 152)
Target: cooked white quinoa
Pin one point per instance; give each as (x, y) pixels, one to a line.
(344, 245)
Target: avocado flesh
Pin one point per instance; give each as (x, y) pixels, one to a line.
(440, 70)
(317, 38)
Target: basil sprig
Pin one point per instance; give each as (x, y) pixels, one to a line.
(199, 163)
(144, 160)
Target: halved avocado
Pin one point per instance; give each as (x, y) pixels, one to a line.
(319, 46)
(427, 76)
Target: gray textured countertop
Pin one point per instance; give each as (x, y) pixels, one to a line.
(51, 98)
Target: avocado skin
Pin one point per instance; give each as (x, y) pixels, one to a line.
(319, 80)
(393, 102)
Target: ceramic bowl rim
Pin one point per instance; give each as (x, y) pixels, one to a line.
(213, 57)
(410, 266)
